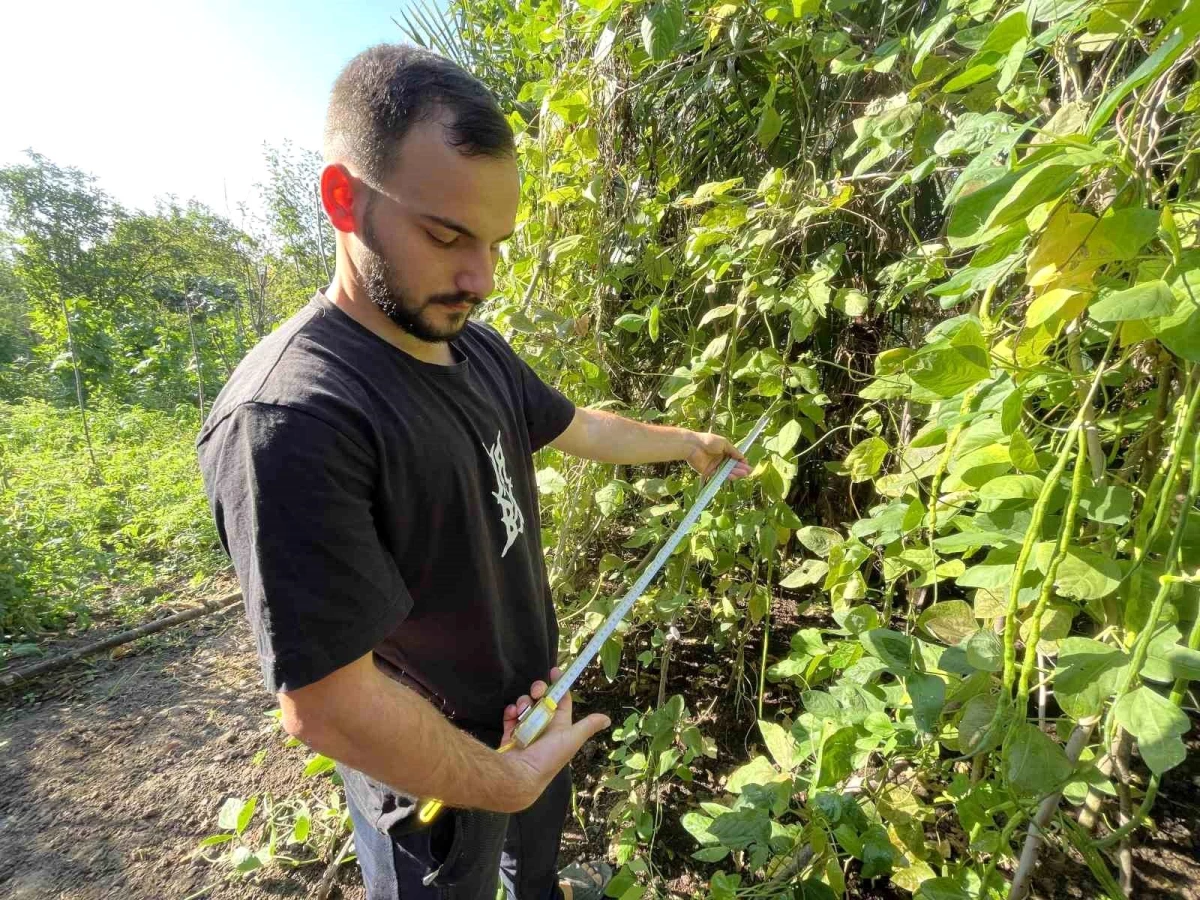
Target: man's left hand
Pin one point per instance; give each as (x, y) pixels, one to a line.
(512, 713)
(711, 450)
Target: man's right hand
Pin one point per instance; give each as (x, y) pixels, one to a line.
(369, 722)
(534, 767)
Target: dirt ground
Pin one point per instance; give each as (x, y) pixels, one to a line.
(113, 771)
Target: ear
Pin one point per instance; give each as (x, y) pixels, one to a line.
(337, 197)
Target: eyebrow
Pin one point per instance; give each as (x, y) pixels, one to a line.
(461, 229)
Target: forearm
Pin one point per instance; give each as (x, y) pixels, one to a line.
(396, 737)
(610, 438)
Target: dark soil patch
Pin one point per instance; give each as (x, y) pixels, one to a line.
(1166, 856)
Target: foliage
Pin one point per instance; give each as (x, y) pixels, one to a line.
(952, 251)
(72, 542)
(136, 319)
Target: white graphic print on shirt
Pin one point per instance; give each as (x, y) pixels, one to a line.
(510, 512)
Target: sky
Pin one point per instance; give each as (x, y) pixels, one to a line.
(175, 97)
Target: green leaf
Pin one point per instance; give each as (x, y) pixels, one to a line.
(711, 854)
(949, 621)
(786, 438)
(1180, 331)
(891, 648)
(864, 460)
(1158, 724)
(973, 75)
(610, 657)
(758, 771)
(985, 651)
(550, 481)
(1012, 487)
(928, 694)
(231, 811)
(318, 765)
(717, 312)
(611, 497)
(246, 813)
(780, 744)
(946, 370)
(1111, 505)
(301, 829)
(996, 570)
(652, 322)
(213, 840)
(769, 125)
(808, 572)
(878, 854)
(660, 29)
(817, 539)
(973, 727)
(942, 889)
(1006, 33)
(851, 302)
(631, 322)
(1184, 662)
(620, 883)
(1147, 300)
(821, 704)
(1086, 675)
(1022, 453)
(837, 755)
(1087, 575)
(1043, 182)
(1033, 762)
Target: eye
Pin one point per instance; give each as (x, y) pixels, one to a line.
(442, 242)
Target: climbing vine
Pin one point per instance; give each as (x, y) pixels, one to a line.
(954, 252)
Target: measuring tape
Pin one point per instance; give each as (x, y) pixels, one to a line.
(536, 717)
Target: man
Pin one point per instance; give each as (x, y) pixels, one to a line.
(369, 469)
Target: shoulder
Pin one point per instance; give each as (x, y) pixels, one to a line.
(310, 368)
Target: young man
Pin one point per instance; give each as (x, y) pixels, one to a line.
(369, 468)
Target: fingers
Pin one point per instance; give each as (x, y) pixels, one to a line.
(537, 690)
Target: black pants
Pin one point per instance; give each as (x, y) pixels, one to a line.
(460, 856)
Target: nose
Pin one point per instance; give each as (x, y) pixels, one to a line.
(477, 275)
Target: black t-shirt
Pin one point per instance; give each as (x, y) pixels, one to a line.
(374, 502)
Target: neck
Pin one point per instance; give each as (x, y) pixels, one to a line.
(348, 296)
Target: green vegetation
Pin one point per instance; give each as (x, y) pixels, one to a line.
(953, 251)
(116, 331)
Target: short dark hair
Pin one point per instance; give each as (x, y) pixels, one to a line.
(386, 90)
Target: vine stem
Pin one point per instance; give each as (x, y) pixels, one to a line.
(1029, 663)
(1165, 582)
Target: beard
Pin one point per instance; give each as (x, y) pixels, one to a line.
(381, 284)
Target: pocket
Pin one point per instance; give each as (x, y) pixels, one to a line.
(467, 850)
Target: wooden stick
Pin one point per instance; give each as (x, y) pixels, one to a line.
(1023, 877)
(331, 870)
(9, 679)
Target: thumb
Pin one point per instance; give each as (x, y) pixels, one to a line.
(589, 726)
